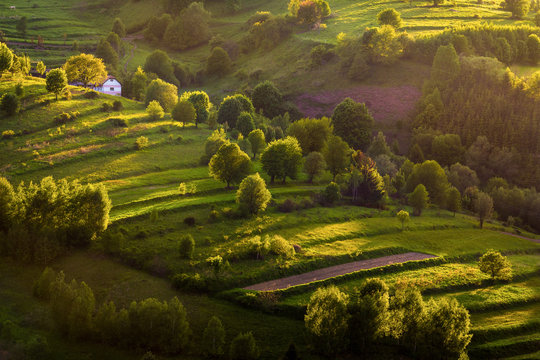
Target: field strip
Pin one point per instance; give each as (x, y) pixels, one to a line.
(521, 237)
(332, 271)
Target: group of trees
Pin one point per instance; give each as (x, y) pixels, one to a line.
(337, 323)
(110, 49)
(151, 325)
(40, 221)
(309, 11)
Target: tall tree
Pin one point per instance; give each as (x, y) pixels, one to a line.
(282, 158)
(119, 28)
(201, 103)
(483, 206)
(419, 199)
(433, 177)
(184, 112)
(446, 65)
(453, 200)
(337, 155)
(268, 98)
(6, 58)
(86, 69)
(230, 164)
(257, 141)
(312, 134)
(214, 338)
(353, 123)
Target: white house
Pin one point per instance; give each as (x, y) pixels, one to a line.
(111, 86)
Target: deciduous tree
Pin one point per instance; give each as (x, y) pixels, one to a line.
(230, 164)
(282, 158)
(184, 112)
(164, 93)
(353, 123)
(419, 199)
(56, 82)
(86, 69)
(495, 265)
(483, 206)
(257, 141)
(252, 195)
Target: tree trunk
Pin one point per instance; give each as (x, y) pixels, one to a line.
(272, 179)
(481, 223)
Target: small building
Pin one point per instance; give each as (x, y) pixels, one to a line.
(12, 7)
(111, 86)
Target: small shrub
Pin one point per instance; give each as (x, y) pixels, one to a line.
(141, 142)
(118, 122)
(8, 134)
(214, 215)
(19, 90)
(62, 119)
(91, 95)
(187, 246)
(10, 104)
(331, 193)
(287, 206)
(143, 234)
(106, 107)
(281, 247)
(189, 221)
(67, 95)
(193, 282)
(75, 114)
(117, 105)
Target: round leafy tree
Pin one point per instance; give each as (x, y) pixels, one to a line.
(353, 123)
(56, 81)
(268, 98)
(495, 265)
(230, 164)
(164, 93)
(252, 195)
(245, 123)
(184, 112)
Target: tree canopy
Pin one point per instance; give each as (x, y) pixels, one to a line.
(353, 123)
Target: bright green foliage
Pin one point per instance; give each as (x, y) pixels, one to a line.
(257, 141)
(483, 206)
(353, 123)
(164, 93)
(495, 265)
(281, 247)
(245, 123)
(390, 17)
(6, 58)
(107, 53)
(369, 319)
(10, 104)
(533, 48)
(137, 84)
(56, 81)
(216, 263)
(252, 194)
(41, 68)
(244, 347)
(407, 311)
(213, 340)
(230, 164)
(314, 164)
(160, 64)
(189, 29)
(85, 68)
(433, 177)
(327, 320)
(445, 330)
(382, 45)
(141, 142)
(268, 98)
(518, 8)
(282, 158)
(446, 65)
(403, 217)
(419, 199)
(366, 185)
(154, 110)
(119, 28)
(213, 143)
(231, 107)
(322, 7)
(337, 155)
(219, 63)
(312, 134)
(453, 200)
(201, 103)
(187, 246)
(184, 112)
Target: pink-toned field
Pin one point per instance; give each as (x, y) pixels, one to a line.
(386, 104)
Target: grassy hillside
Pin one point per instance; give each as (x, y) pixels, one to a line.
(142, 182)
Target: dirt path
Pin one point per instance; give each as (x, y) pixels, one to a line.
(131, 40)
(332, 271)
(519, 236)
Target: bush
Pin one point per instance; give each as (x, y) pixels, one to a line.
(287, 206)
(43, 284)
(155, 111)
(62, 119)
(10, 104)
(331, 193)
(106, 107)
(281, 247)
(91, 95)
(189, 221)
(219, 62)
(118, 122)
(187, 246)
(243, 347)
(141, 142)
(8, 134)
(117, 105)
(193, 282)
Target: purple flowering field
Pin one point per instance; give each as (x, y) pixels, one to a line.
(386, 104)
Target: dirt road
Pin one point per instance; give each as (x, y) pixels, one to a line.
(519, 236)
(332, 271)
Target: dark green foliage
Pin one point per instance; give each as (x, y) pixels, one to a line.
(366, 185)
(446, 65)
(453, 200)
(312, 134)
(174, 7)
(245, 123)
(115, 41)
(182, 73)
(189, 29)
(358, 67)
(157, 26)
(162, 92)
(107, 53)
(187, 246)
(447, 149)
(282, 158)
(462, 177)
(314, 164)
(266, 31)
(483, 206)
(218, 63)
(518, 8)
(389, 17)
(231, 107)
(257, 142)
(201, 103)
(42, 219)
(117, 105)
(379, 146)
(353, 123)
(291, 353)
(244, 347)
(268, 98)
(184, 112)
(119, 28)
(10, 104)
(331, 193)
(42, 285)
(160, 64)
(212, 144)
(22, 26)
(533, 48)
(214, 338)
(229, 164)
